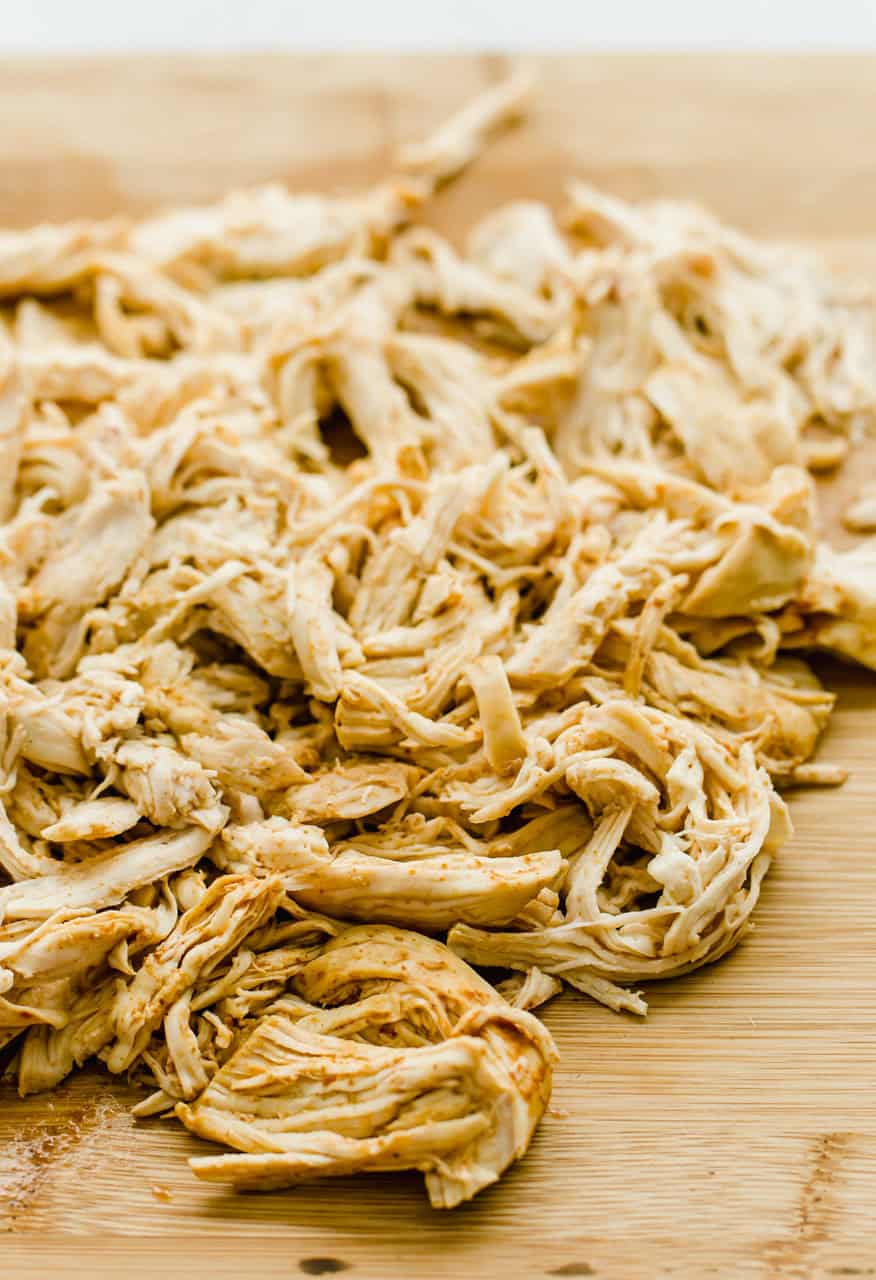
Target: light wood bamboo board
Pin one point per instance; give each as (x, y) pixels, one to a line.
(734, 1132)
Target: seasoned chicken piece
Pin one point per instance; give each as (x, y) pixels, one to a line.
(247, 984)
(752, 556)
(520, 242)
(705, 864)
(787, 726)
(574, 625)
(84, 374)
(447, 1077)
(390, 585)
(455, 286)
(105, 879)
(12, 421)
(529, 990)
(268, 232)
(93, 820)
(363, 692)
(243, 756)
(50, 1053)
(95, 546)
(65, 726)
(380, 412)
(253, 615)
(34, 800)
(762, 568)
(354, 789)
(230, 746)
(730, 447)
(167, 787)
(49, 259)
(461, 138)
(314, 625)
(50, 967)
(454, 389)
(58, 464)
(74, 941)
(839, 604)
(504, 740)
(429, 890)
(139, 311)
(16, 860)
(41, 1004)
(233, 907)
(756, 327)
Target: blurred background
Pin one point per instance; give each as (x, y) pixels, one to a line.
(780, 142)
(96, 25)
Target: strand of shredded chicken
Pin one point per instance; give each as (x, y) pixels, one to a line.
(338, 650)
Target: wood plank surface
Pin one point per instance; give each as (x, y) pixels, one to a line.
(733, 1132)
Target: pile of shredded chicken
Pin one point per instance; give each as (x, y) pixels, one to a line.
(372, 608)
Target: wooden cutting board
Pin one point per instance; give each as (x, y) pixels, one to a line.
(733, 1132)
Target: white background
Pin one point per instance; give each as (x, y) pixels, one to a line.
(91, 25)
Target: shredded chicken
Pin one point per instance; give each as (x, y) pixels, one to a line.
(356, 587)
(393, 1055)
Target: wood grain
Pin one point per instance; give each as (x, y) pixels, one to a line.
(733, 1133)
